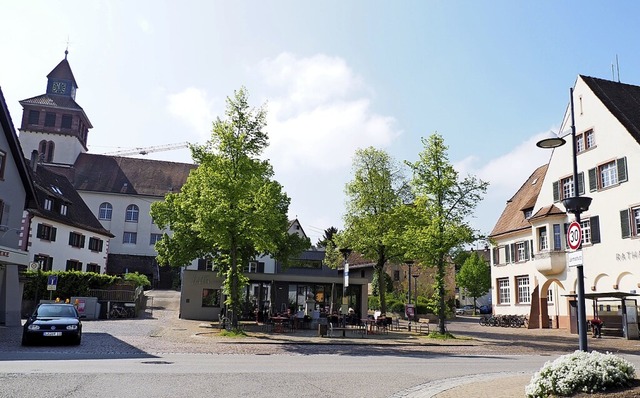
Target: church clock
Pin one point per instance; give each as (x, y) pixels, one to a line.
(59, 87)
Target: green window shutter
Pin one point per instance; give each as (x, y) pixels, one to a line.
(556, 191)
(526, 250)
(625, 228)
(595, 229)
(622, 169)
(514, 253)
(507, 254)
(53, 234)
(581, 183)
(593, 180)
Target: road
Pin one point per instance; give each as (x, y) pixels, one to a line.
(161, 356)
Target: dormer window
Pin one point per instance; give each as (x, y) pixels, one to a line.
(63, 209)
(528, 213)
(48, 204)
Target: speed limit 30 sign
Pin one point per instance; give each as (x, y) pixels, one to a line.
(574, 235)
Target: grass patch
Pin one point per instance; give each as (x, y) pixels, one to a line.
(233, 333)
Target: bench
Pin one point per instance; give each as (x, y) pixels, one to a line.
(343, 329)
(422, 326)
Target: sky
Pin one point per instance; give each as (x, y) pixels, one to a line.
(492, 77)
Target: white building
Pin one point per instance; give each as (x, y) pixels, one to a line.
(117, 190)
(530, 271)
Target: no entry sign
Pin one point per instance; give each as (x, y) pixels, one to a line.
(574, 236)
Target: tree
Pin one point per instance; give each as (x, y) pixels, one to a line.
(327, 237)
(474, 277)
(230, 209)
(374, 221)
(440, 211)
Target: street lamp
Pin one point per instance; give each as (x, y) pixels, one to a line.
(409, 263)
(415, 286)
(575, 205)
(345, 303)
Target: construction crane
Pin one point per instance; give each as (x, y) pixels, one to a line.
(147, 150)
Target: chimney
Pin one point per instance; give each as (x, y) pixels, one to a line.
(34, 160)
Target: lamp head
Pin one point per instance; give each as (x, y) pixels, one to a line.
(345, 252)
(551, 141)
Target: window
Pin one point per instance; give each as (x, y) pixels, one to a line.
(396, 276)
(579, 143)
(50, 119)
(523, 289)
(132, 213)
(46, 232)
(95, 244)
(46, 262)
(549, 296)
(608, 174)
(504, 292)
(45, 150)
(74, 265)
(557, 237)
(66, 121)
(48, 203)
(34, 117)
(590, 139)
(92, 267)
(563, 189)
(76, 239)
(211, 297)
(130, 237)
(104, 211)
(205, 264)
(543, 241)
(63, 209)
(3, 162)
(155, 238)
(521, 250)
(590, 230)
(630, 222)
(254, 267)
(528, 213)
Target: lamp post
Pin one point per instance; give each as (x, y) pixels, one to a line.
(409, 263)
(345, 254)
(415, 286)
(575, 205)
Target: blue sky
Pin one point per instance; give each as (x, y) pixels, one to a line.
(490, 76)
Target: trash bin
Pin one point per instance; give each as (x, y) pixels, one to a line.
(322, 330)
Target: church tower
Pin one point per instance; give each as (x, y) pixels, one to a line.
(53, 123)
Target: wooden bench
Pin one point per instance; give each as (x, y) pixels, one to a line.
(422, 326)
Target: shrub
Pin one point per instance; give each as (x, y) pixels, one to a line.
(580, 372)
(138, 279)
(374, 303)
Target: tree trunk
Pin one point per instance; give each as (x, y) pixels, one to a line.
(235, 294)
(440, 275)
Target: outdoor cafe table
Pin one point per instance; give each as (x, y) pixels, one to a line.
(369, 325)
(278, 323)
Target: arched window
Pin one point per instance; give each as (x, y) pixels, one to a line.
(132, 213)
(45, 149)
(105, 210)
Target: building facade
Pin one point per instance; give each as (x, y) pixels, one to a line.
(117, 190)
(531, 271)
(16, 194)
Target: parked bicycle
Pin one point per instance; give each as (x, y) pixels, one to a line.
(118, 311)
(514, 321)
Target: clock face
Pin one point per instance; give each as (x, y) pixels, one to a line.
(59, 87)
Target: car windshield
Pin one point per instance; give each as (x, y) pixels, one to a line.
(56, 311)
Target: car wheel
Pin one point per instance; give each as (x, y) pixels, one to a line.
(25, 341)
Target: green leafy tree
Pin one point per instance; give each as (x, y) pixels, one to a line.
(474, 277)
(374, 220)
(442, 206)
(230, 209)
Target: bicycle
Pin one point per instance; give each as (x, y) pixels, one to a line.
(118, 312)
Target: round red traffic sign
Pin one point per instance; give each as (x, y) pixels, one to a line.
(574, 235)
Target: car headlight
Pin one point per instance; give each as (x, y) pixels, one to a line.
(72, 327)
(33, 327)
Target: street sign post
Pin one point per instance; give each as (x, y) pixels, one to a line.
(574, 236)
